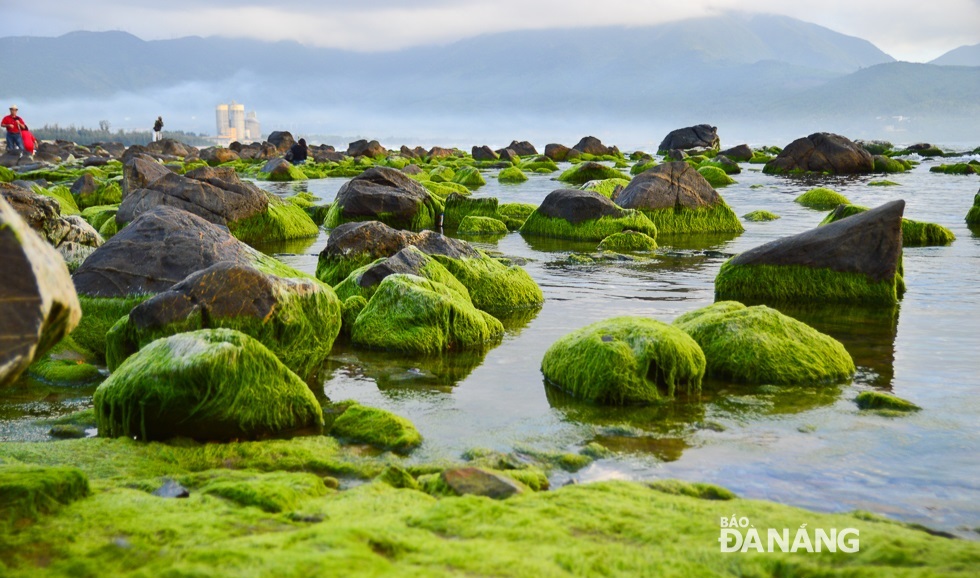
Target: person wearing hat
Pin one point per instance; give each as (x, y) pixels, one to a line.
(14, 125)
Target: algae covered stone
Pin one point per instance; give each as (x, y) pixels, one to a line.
(715, 176)
(511, 175)
(411, 314)
(210, 384)
(884, 401)
(914, 233)
(473, 225)
(590, 171)
(822, 199)
(625, 360)
(376, 427)
(29, 491)
(973, 215)
(583, 215)
(387, 195)
(761, 345)
(760, 216)
(628, 242)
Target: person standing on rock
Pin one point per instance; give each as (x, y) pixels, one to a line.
(14, 125)
(298, 152)
(158, 129)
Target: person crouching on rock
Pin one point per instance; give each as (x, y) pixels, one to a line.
(298, 152)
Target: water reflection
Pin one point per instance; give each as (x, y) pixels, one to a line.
(698, 242)
(390, 370)
(516, 321)
(288, 247)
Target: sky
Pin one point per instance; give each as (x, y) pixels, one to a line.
(911, 30)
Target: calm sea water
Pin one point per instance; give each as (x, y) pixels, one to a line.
(805, 446)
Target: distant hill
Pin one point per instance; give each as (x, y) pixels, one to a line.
(962, 56)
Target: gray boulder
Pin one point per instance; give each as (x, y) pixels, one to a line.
(692, 137)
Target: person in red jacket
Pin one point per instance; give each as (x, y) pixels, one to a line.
(14, 125)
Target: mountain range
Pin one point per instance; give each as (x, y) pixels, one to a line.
(762, 77)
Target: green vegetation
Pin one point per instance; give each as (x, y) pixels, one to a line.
(884, 401)
(62, 194)
(281, 221)
(469, 177)
(590, 230)
(606, 187)
(511, 175)
(715, 176)
(822, 199)
(211, 384)
(459, 207)
(789, 283)
(641, 166)
(914, 233)
(473, 225)
(424, 217)
(28, 492)
(973, 215)
(761, 345)
(625, 360)
(494, 287)
(682, 220)
(514, 214)
(66, 364)
(99, 314)
(376, 427)
(628, 242)
(760, 216)
(883, 164)
(590, 171)
(883, 184)
(970, 168)
(431, 269)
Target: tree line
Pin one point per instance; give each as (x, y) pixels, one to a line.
(87, 136)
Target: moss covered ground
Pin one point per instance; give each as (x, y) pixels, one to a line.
(761, 345)
(591, 230)
(99, 314)
(822, 199)
(625, 360)
(792, 283)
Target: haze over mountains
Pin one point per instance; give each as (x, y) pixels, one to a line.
(760, 79)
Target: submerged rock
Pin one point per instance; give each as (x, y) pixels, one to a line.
(38, 304)
(884, 401)
(761, 345)
(584, 215)
(822, 152)
(678, 199)
(211, 384)
(480, 482)
(857, 259)
(376, 427)
(473, 225)
(625, 360)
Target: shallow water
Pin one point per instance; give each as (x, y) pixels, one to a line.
(806, 446)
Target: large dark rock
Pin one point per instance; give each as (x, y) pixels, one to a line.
(668, 185)
(576, 206)
(436, 153)
(556, 152)
(281, 139)
(218, 155)
(38, 304)
(43, 215)
(484, 153)
(408, 260)
(363, 148)
(213, 193)
(869, 243)
(522, 148)
(692, 137)
(740, 153)
(84, 185)
(509, 155)
(169, 147)
(159, 248)
(139, 171)
(592, 146)
(381, 192)
(822, 152)
(479, 482)
(378, 240)
(408, 153)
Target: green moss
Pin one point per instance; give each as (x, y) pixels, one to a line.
(642, 166)
(459, 207)
(61, 194)
(914, 233)
(107, 193)
(957, 169)
(99, 314)
(415, 315)
(591, 230)
(973, 215)
(886, 401)
(292, 173)
(494, 287)
(698, 490)
(755, 283)
(628, 242)
(590, 171)
(625, 360)
(376, 427)
(822, 199)
(444, 190)
(682, 220)
(476, 226)
(109, 228)
(715, 176)
(883, 184)
(98, 215)
(431, 269)
(469, 177)
(761, 345)
(272, 492)
(441, 174)
(27, 492)
(884, 164)
(607, 187)
(514, 214)
(281, 221)
(397, 477)
(540, 164)
(352, 307)
(760, 158)
(423, 218)
(757, 216)
(511, 175)
(207, 384)
(7, 175)
(66, 364)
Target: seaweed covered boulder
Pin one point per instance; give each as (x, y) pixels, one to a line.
(377, 427)
(475, 226)
(628, 242)
(208, 385)
(742, 153)
(678, 199)
(412, 314)
(973, 215)
(821, 199)
(761, 345)
(410, 261)
(583, 215)
(281, 170)
(74, 238)
(701, 136)
(387, 195)
(458, 207)
(590, 145)
(854, 260)
(296, 318)
(494, 286)
(29, 491)
(139, 171)
(625, 360)
(821, 152)
(38, 304)
(590, 171)
(914, 233)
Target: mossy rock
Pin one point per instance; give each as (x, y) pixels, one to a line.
(376, 427)
(99, 314)
(281, 221)
(970, 168)
(412, 314)
(716, 176)
(719, 218)
(28, 492)
(583, 215)
(66, 364)
(441, 174)
(789, 283)
(760, 216)
(281, 172)
(883, 184)
(61, 194)
(270, 492)
(628, 242)
(364, 281)
(539, 164)
(459, 207)
(473, 225)
(351, 308)
(699, 490)
(914, 233)
(883, 164)
(469, 177)
(493, 286)
(973, 215)
(109, 228)
(625, 360)
(210, 384)
(98, 215)
(444, 190)
(822, 199)
(511, 175)
(761, 345)
(514, 214)
(590, 171)
(641, 166)
(884, 401)
(607, 188)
